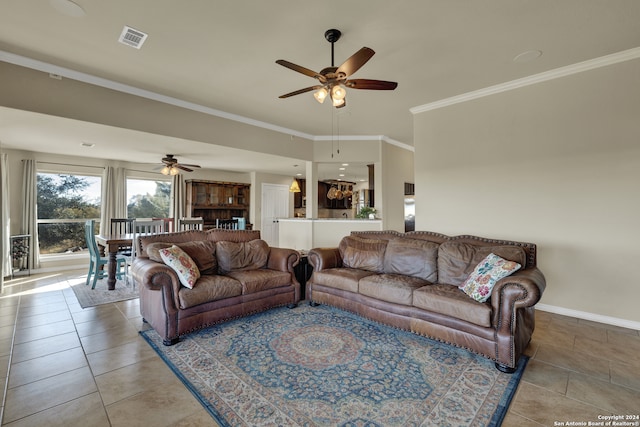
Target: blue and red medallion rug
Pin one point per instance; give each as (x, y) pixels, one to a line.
(320, 366)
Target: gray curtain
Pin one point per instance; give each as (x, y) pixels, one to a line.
(114, 197)
(5, 267)
(177, 200)
(30, 209)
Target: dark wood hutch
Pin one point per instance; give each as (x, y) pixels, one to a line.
(213, 200)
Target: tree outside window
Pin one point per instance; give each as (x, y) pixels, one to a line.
(65, 202)
(148, 198)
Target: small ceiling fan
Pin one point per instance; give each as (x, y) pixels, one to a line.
(333, 80)
(171, 166)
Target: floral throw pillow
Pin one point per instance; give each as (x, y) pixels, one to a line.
(485, 275)
(182, 264)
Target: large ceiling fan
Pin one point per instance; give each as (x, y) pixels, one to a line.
(171, 166)
(333, 80)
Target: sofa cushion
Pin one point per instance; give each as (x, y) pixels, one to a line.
(202, 252)
(412, 257)
(456, 260)
(209, 288)
(153, 250)
(259, 280)
(233, 256)
(484, 277)
(340, 278)
(451, 301)
(364, 254)
(177, 238)
(394, 288)
(182, 264)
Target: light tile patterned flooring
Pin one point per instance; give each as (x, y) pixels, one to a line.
(68, 366)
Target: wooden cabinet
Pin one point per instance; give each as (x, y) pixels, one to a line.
(213, 200)
(299, 198)
(326, 203)
(323, 201)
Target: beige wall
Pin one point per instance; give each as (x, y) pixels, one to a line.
(557, 164)
(31, 90)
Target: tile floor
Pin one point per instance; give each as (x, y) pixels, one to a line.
(68, 366)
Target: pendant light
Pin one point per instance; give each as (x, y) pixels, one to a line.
(295, 187)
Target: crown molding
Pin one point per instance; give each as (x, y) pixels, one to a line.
(603, 61)
(132, 90)
(365, 138)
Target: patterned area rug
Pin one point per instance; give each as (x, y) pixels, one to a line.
(88, 297)
(320, 366)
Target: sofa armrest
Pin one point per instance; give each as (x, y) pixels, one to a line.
(158, 277)
(283, 259)
(522, 289)
(324, 258)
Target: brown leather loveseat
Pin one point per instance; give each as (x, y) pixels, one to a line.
(239, 275)
(411, 281)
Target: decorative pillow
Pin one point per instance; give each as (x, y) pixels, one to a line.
(456, 260)
(364, 254)
(202, 252)
(233, 256)
(484, 277)
(182, 264)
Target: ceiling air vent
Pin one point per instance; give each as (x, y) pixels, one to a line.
(132, 37)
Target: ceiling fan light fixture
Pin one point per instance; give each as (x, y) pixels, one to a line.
(338, 102)
(320, 95)
(165, 170)
(338, 92)
(174, 171)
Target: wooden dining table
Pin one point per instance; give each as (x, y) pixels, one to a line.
(112, 244)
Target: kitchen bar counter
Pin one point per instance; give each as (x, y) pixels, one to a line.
(308, 233)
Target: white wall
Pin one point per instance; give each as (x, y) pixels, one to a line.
(557, 164)
(396, 169)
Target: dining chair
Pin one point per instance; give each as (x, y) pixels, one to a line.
(242, 223)
(227, 224)
(141, 227)
(168, 224)
(196, 223)
(98, 262)
(122, 226)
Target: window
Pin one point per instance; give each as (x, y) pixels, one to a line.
(65, 203)
(148, 198)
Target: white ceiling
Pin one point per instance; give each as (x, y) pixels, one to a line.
(221, 55)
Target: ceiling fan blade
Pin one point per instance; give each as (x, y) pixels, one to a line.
(189, 165)
(300, 69)
(370, 84)
(179, 166)
(356, 61)
(298, 92)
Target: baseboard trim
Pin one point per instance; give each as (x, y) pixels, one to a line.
(629, 324)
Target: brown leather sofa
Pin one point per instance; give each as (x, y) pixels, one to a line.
(240, 275)
(410, 281)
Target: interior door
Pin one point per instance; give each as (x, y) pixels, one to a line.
(275, 204)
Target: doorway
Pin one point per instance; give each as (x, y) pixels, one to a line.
(275, 204)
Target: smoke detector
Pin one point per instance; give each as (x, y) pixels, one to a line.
(132, 37)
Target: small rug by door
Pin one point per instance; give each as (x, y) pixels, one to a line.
(320, 366)
(88, 297)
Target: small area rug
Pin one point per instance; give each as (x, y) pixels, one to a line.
(88, 297)
(320, 366)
